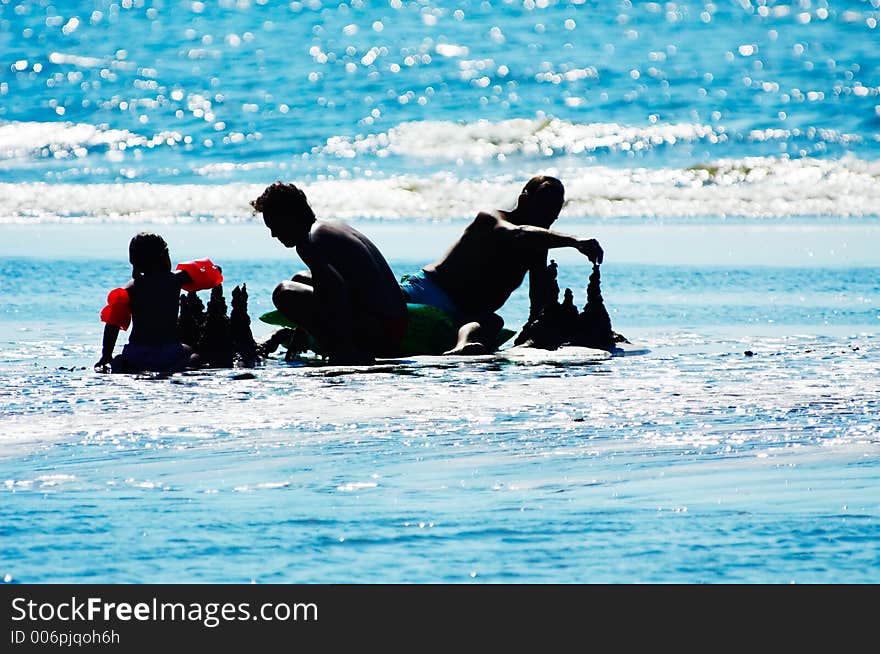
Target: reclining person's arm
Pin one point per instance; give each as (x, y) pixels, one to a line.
(530, 237)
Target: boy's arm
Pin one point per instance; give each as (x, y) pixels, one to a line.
(116, 315)
(332, 295)
(532, 238)
(183, 278)
(111, 332)
(198, 275)
(331, 291)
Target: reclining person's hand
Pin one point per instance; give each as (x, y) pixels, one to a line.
(591, 249)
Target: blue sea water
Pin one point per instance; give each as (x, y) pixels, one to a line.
(725, 154)
(750, 99)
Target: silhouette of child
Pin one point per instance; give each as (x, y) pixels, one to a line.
(150, 303)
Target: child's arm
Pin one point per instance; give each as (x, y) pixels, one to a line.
(116, 315)
(111, 332)
(199, 275)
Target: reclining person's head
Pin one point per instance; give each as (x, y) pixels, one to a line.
(541, 201)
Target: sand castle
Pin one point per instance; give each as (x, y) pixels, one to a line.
(221, 341)
(552, 325)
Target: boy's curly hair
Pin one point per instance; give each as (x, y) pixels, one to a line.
(283, 199)
(148, 253)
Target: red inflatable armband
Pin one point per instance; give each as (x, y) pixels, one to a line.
(118, 310)
(204, 274)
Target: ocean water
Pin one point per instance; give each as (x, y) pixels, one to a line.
(425, 109)
(725, 154)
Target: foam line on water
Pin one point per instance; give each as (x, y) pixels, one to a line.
(484, 139)
(758, 187)
(61, 140)
(543, 138)
(439, 141)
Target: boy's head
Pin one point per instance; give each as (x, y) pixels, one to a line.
(286, 213)
(541, 201)
(148, 253)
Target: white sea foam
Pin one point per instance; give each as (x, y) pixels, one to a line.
(749, 187)
(550, 137)
(64, 139)
(356, 486)
(441, 141)
(260, 486)
(485, 139)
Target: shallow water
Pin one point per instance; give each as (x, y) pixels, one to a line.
(691, 463)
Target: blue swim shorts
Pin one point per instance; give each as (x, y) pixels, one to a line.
(421, 288)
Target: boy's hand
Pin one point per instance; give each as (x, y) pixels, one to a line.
(591, 249)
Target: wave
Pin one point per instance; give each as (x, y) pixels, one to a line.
(758, 187)
(480, 141)
(61, 140)
(483, 140)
